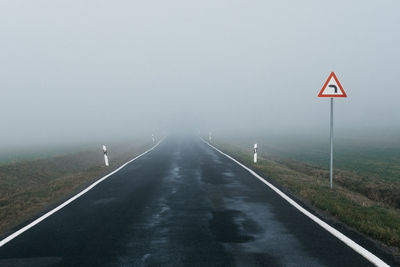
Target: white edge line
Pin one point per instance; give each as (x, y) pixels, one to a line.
(43, 217)
(356, 247)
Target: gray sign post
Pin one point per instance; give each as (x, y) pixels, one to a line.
(331, 165)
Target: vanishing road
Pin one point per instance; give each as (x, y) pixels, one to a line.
(181, 204)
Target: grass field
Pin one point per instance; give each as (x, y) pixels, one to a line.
(17, 154)
(28, 187)
(372, 158)
(366, 194)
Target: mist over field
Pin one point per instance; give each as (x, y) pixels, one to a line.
(75, 71)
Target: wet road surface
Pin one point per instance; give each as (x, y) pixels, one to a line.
(182, 204)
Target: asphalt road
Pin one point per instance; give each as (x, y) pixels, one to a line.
(182, 204)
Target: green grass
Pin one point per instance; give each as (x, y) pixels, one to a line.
(375, 159)
(368, 205)
(18, 153)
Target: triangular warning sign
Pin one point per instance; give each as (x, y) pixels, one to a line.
(332, 88)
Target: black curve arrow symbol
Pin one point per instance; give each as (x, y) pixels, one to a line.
(335, 87)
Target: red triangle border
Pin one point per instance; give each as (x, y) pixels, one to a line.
(326, 84)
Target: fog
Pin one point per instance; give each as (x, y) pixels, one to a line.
(96, 70)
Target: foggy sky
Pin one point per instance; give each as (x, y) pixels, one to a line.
(77, 70)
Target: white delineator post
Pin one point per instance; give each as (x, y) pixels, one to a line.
(153, 138)
(255, 153)
(105, 155)
(209, 137)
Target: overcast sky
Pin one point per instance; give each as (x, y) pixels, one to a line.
(92, 69)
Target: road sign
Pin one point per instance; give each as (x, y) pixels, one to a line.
(332, 88)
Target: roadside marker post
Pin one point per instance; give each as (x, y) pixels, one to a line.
(255, 153)
(332, 89)
(153, 138)
(105, 155)
(209, 137)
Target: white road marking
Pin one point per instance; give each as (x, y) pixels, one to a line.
(356, 247)
(43, 217)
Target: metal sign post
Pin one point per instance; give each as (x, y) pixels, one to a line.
(331, 165)
(332, 88)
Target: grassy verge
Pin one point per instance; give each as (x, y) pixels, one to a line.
(377, 219)
(29, 187)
